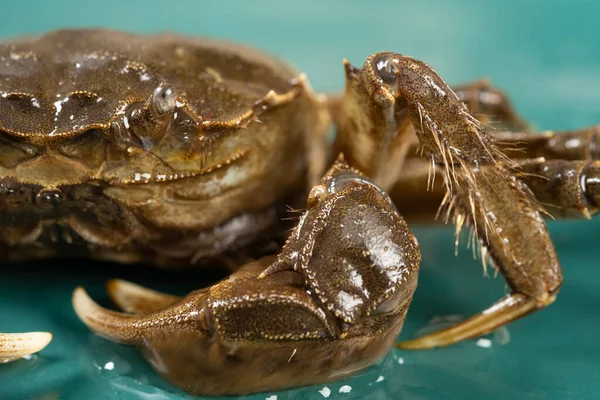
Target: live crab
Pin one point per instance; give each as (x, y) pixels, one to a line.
(177, 151)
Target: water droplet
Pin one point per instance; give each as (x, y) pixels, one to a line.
(325, 392)
(345, 389)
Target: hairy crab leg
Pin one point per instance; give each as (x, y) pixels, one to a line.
(519, 247)
(407, 96)
(18, 345)
(371, 136)
(331, 303)
(513, 135)
(489, 104)
(417, 195)
(567, 189)
(133, 298)
(482, 188)
(579, 144)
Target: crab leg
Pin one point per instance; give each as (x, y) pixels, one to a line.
(489, 104)
(567, 189)
(504, 311)
(17, 345)
(519, 247)
(482, 188)
(579, 144)
(512, 134)
(370, 135)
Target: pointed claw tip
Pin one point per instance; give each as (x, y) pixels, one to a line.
(79, 293)
(42, 338)
(108, 324)
(82, 303)
(43, 335)
(351, 72)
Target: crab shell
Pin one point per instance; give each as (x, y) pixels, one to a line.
(84, 148)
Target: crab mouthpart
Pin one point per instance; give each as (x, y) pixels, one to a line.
(147, 177)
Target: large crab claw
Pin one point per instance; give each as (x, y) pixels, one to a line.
(331, 303)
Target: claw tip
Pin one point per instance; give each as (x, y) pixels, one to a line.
(79, 290)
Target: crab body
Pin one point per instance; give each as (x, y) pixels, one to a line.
(87, 158)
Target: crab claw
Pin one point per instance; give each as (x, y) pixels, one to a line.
(326, 307)
(132, 328)
(219, 340)
(18, 345)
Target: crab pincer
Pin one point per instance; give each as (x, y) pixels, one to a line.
(331, 303)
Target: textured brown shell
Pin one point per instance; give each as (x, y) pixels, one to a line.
(67, 82)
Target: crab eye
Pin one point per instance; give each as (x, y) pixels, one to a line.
(385, 65)
(163, 100)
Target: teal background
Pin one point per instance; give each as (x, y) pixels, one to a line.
(545, 54)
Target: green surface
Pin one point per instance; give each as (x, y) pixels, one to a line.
(544, 53)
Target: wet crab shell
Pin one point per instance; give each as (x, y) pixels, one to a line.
(246, 117)
(67, 82)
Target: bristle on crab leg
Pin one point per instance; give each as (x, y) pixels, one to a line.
(18, 345)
